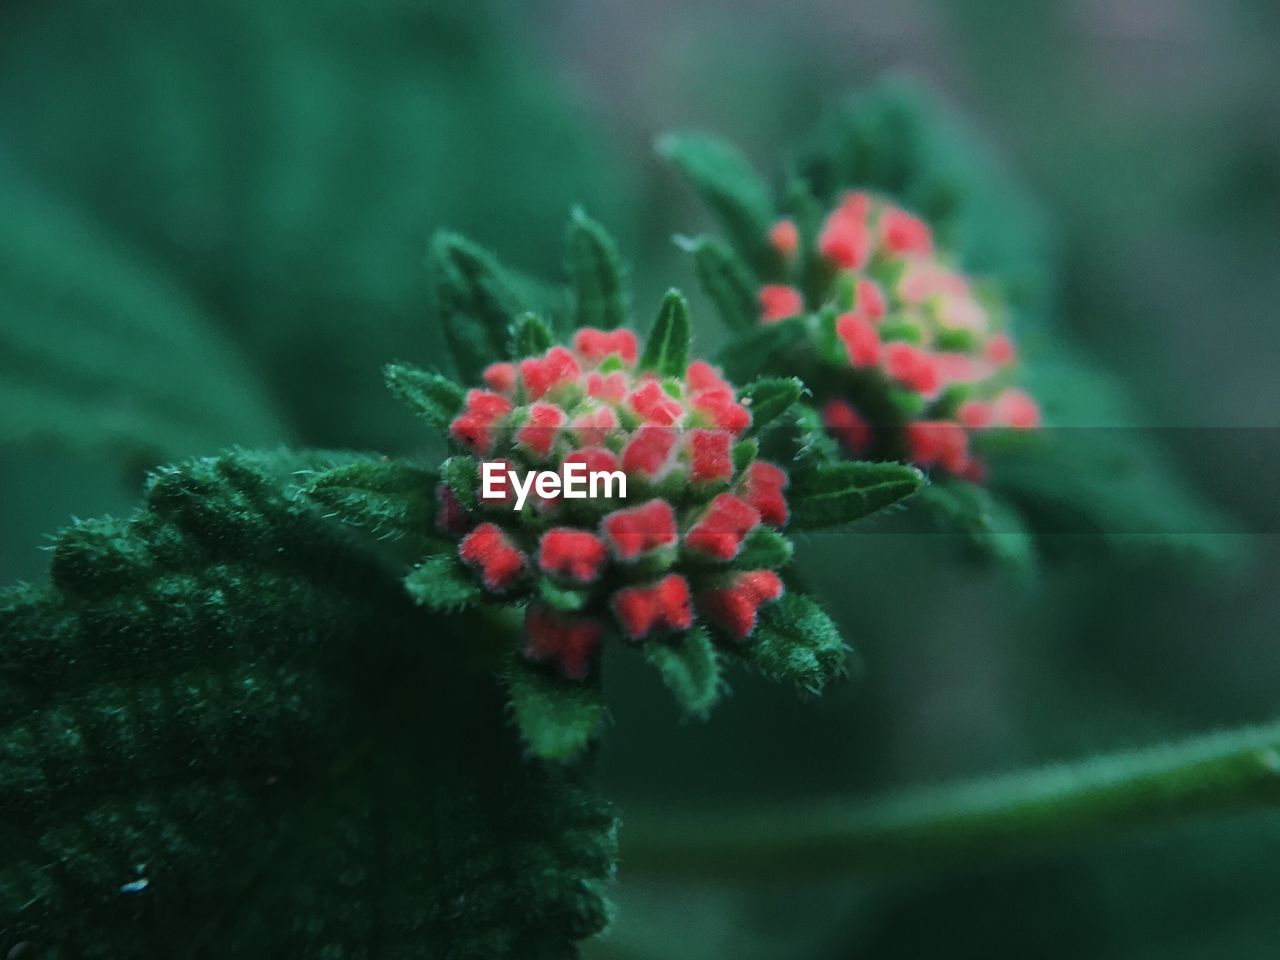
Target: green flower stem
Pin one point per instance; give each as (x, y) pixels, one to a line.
(1233, 770)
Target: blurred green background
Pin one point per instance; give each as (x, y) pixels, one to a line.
(212, 222)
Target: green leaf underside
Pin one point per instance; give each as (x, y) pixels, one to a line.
(432, 396)
(690, 668)
(764, 549)
(475, 301)
(221, 700)
(556, 717)
(833, 494)
(596, 274)
(667, 350)
(441, 583)
(770, 399)
(730, 188)
(728, 282)
(795, 641)
(388, 498)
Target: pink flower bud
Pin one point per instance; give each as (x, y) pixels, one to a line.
(572, 554)
(664, 605)
(638, 530)
(723, 527)
(735, 608)
(491, 553)
(778, 302)
(569, 641)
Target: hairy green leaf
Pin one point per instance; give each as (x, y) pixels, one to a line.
(727, 281)
(433, 396)
(733, 191)
(832, 494)
(666, 352)
(764, 548)
(796, 641)
(391, 499)
(690, 668)
(475, 301)
(557, 717)
(530, 336)
(441, 583)
(770, 399)
(222, 700)
(596, 274)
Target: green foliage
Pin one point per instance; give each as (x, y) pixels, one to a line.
(475, 302)
(557, 717)
(596, 275)
(97, 347)
(666, 352)
(770, 398)
(391, 499)
(441, 583)
(530, 336)
(796, 642)
(690, 668)
(834, 494)
(731, 189)
(764, 549)
(749, 355)
(222, 700)
(434, 397)
(727, 281)
(991, 525)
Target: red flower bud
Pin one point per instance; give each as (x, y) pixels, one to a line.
(649, 451)
(488, 550)
(904, 233)
(654, 405)
(735, 608)
(778, 302)
(540, 375)
(861, 342)
(567, 640)
(572, 554)
(660, 606)
(762, 489)
(594, 345)
(539, 432)
(723, 527)
(785, 238)
(637, 530)
(710, 456)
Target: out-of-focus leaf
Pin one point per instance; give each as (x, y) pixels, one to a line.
(475, 301)
(733, 191)
(727, 281)
(596, 274)
(98, 348)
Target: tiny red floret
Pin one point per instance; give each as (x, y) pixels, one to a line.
(637, 530)
(567, 640)
(572, 554)
(664, 605)
(489, 551)
(778, 302)
(723, 527)
(735, 608)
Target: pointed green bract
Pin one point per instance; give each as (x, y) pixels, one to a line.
(770, 399)
(432, 396)
(993, 529)
(690, 668)
(389, 498)
(734, 192)
(530, 336)
(557, 717)
(727, 281)
(764, 548)
(596, 274)
(475, 301)
(443, 584)
(667, 350)
(461, 474)
(833, 494)
(795, 641)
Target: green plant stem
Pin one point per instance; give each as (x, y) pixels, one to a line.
(1222, 772)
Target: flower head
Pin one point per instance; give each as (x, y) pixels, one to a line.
(919, 339)
(640, 567)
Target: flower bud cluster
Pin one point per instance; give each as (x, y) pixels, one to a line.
(677, 551)
(912, 330)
